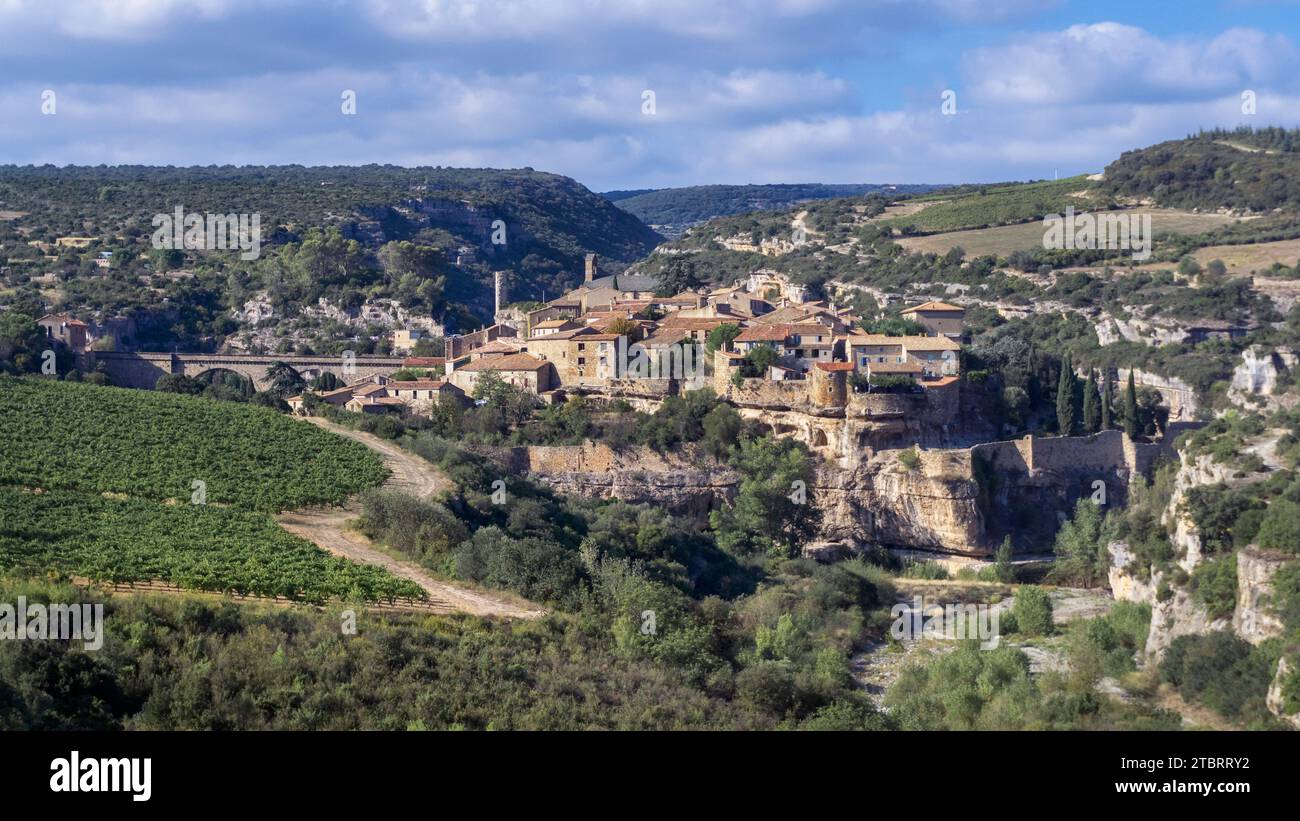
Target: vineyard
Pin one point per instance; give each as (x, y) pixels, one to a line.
(104, 483)
(194, 546)
(65, 435)
(998, 205)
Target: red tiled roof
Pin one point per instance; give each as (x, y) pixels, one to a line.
(937, 307)
(510, 362)
(763, 333)
(561, 335)
(835, 366)
(417, 384)
(424, 361)
(941, 382)
(696, 323)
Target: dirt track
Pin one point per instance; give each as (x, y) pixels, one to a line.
(328, 528)
(408, 472)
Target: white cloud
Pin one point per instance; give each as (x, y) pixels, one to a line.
(1112, 62)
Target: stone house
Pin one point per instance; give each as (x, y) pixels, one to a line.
(521, 370)
(938, 318)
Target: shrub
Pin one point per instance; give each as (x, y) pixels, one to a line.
(1221, 671)
(1033, 611)
(1214, 586)
(1280, 528)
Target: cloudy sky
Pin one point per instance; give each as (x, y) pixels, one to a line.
(744, 91)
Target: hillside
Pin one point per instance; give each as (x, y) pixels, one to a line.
(1241, 170)
(673, 210)
(550, 222)
(120, 485)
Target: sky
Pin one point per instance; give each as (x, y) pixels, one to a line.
(639, 94)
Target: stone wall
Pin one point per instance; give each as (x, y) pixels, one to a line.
(765, 393)
(1109, 450)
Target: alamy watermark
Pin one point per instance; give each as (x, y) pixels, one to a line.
(680, 360)
(920, 619)
(62, 622)
(193, 231)
(1110, 230)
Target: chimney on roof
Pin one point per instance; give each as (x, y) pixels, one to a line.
(590, 272)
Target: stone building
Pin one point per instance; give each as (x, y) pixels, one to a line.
(62, 329)
(938, 318)
(521, 370)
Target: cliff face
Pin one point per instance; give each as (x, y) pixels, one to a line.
(883, 502)
(1178, 614)
(934, 503)
(876, 502)
(686, 482)
(1254, 619)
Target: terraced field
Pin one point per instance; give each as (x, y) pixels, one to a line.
(65, 435)
(1004, 239)
(118, 485)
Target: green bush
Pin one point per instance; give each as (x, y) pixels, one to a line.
(1221, 671)
(1280, 528)
(1032, 611)
(1214, 586)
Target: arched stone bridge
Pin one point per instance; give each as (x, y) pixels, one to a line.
(142, 370)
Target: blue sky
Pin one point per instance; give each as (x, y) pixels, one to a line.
(744, 90)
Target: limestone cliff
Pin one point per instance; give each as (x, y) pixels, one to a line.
(877, 502)
(884, 502)
(1254, 618)
(1174, 613)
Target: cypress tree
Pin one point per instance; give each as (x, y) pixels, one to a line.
(1131, 408)
(1107, 390)
(1091, 404)
(1066, 411)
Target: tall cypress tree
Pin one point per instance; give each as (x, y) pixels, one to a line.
(1131, 408)
(1067, 414)
(1107, 390)
(1091, 404)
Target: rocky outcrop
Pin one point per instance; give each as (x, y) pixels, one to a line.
(1111, 329)
(1275, 700)
(1254, 618)
(1174, 612)
(1193, 471)
(1262, 377)
(1178, 615)
(1175, 394)
(685, 481)
(1127, 582)
(884, 502)
(878, 502)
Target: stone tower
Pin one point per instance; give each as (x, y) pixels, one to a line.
(591, 271)
(498, 290)
(828, 384)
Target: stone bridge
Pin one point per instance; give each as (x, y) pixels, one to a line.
(142, 370)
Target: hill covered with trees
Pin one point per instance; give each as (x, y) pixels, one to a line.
(467, 222)
(1243, 169)
(674, 210)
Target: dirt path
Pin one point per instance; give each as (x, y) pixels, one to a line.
(408, 472)
(328, 528)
